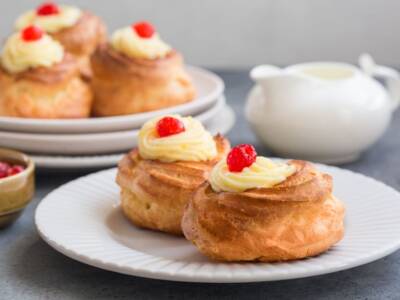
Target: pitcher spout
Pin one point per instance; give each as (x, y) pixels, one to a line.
(262, 72)
(274, 80)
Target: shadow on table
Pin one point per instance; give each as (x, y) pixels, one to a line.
(42, 270)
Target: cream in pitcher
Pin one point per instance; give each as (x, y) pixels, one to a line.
(323, 111)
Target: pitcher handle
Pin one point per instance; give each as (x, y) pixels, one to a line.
(390, 75)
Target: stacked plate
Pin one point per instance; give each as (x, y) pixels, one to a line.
(100, 142)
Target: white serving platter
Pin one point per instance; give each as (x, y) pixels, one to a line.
(209, 88)
(86, 143)
(222, 124)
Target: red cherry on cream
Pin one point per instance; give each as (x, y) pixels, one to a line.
(144, 29)
(169, 126)
(240, 157)
(31, 33)
(47, 9)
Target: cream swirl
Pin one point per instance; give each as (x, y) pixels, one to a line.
(67, 17)
(263, 173)
(19, 55)
(128, 42)
(193, 144)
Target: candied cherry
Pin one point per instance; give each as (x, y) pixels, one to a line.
(32, 33)
(47, 9)
(144, 29)
(168, 126)
(240, 157)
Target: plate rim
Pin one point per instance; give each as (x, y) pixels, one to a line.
(107, 160)
(219, 104)
(215, 278)
(76, 124)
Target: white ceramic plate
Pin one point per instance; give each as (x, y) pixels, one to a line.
(82, 220)
(209, 87)
(76, 162)
(86, 143)
(222, 124)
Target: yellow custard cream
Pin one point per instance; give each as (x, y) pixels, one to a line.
(128, 42)
(19, 55)
(67, 17)
(193, 144)
(263, 173)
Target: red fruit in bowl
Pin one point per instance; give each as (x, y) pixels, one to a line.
(4, 166)
(14, 170)
(240, 157)
(169, 126)
(3, 174)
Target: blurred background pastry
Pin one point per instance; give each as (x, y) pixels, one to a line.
(173, 159)
(38, 79)
(136, 72)
(254, 209)
(80, 32)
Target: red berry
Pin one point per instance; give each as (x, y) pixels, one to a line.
(32, 33)
(240, 157)
(14, 170)
(4, 167)
(144, 29)
(47, 9)
(168, 126)
(3, 173)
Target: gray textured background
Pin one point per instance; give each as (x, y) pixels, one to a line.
(239, 33)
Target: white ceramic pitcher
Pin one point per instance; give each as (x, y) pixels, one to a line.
(322, 111)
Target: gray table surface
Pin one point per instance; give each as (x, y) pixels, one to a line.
(30, 269)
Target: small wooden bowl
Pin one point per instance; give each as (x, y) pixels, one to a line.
(15, 191)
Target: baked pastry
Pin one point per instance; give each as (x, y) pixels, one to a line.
(159, 177)
(39, 80)
(80, 32)
(137, 72)
(253, 209)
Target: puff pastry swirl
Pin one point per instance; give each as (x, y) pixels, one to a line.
(82, 39)
(154, 193)
(125, 85)
(46, 92)
(294, 219)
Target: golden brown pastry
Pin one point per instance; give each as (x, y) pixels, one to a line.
(157, 179)
(39, 80)
(293, 219)
(136, 72)
(80, 32)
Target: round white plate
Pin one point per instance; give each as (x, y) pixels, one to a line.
(86, 143)
(222, 124)
(76, 162)
(209, 87)
(82, 220)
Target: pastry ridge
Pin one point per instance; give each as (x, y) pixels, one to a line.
(154, 193)
(82, 39)
(295, 219)
(125, 85)
(46, 92)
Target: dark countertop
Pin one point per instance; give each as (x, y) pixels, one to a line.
(30, 269)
